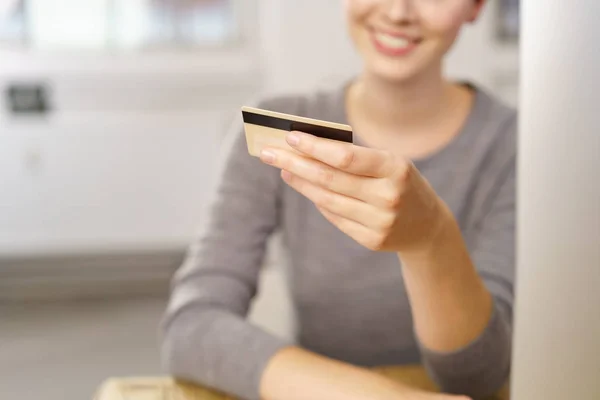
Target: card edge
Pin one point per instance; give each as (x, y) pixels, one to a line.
(297, 118)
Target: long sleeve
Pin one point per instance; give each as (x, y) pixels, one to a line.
(482, 367)
(206, 338)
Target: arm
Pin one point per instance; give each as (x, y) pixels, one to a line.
(295, 374)
(205, 337)
(462, 300)
(450, 303)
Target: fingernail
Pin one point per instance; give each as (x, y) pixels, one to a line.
(293, 138)
(267, 156)
(286, 175)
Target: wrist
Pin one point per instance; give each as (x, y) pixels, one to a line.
(443, 233)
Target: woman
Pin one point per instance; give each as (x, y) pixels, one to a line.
(401, 244)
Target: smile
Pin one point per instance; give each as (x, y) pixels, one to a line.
(393, 45)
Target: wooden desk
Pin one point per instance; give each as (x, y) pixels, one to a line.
(163, 388)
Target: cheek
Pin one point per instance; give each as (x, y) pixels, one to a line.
(444, 23)
(358, 9)
(357, 12)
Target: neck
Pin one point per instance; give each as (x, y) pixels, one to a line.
(412, 105)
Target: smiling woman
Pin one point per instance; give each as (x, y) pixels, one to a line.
(400, 243)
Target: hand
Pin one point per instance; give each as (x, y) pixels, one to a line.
(375, 197)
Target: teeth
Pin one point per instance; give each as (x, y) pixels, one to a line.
(393, 42)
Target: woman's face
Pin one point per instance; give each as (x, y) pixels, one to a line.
(400, 39)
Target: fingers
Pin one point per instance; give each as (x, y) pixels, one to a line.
(382, 192)
(347, 157)
(323, 175)
(361, 213)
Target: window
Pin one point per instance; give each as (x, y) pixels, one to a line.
(12, 27)
(165, 54)
(117, 24)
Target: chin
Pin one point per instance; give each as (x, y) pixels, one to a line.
(393, 73)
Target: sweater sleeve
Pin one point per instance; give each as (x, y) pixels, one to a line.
(482, 367)
(206, 338)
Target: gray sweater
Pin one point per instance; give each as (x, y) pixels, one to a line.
(350, 302)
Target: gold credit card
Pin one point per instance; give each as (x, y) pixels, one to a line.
(264, 128)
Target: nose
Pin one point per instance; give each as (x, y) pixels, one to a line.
(400, 11)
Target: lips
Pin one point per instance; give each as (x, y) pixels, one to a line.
(394, 45)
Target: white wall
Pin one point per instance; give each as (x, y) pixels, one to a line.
(85, 179)
(308, 46)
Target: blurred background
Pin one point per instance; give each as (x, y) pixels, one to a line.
(112, 117)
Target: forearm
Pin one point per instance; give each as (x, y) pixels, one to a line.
(450, 303)
(219, 350)
(296, 374)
